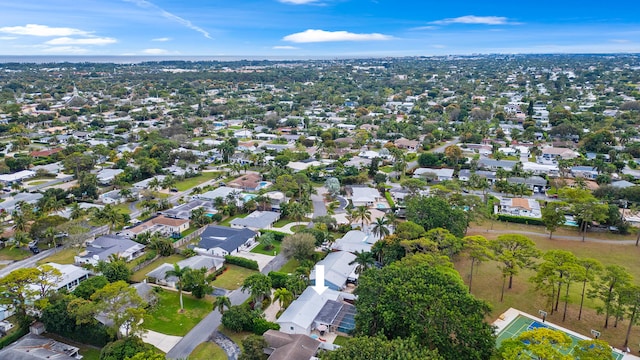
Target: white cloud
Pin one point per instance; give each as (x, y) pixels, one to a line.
(155, 51)
(297, 2)
(184, 22)
(42, 30)
(162, 39)
(8, 37)
(472, 19)
(85, 41)
(65, 50)
(620, 41)
(311, 36)
(278, 47)
(430, 27)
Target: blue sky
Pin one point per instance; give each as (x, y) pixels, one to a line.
(308, 28)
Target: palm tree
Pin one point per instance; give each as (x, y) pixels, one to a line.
(76, 211)
(20, 240)
(259, 285)
(154, 184)
(179, 273)
(50, 234)
(364, 259)
(331, 207)
(381, 227)
(284, 297)
(363, 214)
(220, 303)
(20, 221)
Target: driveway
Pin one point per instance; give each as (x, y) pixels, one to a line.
(161, 341)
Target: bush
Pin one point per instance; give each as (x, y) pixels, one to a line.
(124, 348)
(261, 325)
(278, 279)
(277, 235)
(242, 262)
(214, 275)
(7, 340)
(520, 219)
(392, 204)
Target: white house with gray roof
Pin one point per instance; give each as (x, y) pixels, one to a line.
(337, 270)
(159, 274)
(256, 220)
(101, 248)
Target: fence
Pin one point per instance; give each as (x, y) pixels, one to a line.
(188, 238)
(144, 263)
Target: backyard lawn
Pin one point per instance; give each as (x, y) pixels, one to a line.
(165, 316)
(122, 208)
(139, 275)
(13, 254)
(232, 277)
(281, 223)
(208, 351)
(187, 184)
(237, 337)
(62, 256)
(227, 221)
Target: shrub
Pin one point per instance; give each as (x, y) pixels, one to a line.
(242, 262)
(277, 235)
(278, 279)
(520, 219)
(261, 325)
(7, 340)
(214, 275)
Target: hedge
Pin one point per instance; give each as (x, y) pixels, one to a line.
(242, 262)
(7, 340)
(392, 204)
(520, 219)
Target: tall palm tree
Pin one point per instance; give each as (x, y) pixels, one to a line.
(19, 221)
(179, 273)
(220, 303)
(76, 211)
(284, 297)
(50, 234)
(20, 240)
(154, 184)
(381, 227)
(364, 259)
(363, 214)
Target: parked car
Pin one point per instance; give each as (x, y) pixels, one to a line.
(34, 249)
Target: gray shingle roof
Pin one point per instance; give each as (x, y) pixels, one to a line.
(223, 237)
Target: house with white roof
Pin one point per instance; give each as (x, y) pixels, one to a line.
(363, 195)
(222, 192)
(519, 207)
(8, 179)
(312, 311)
(103, 247)
(337, 270)
(439, 174)
(354, 240)
(256, 220)
(106, 176)
(71, 276)
(159, 274)
(144, 184)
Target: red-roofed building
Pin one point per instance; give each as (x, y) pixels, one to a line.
(43, 153)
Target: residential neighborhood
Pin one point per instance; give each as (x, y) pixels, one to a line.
(290, 209)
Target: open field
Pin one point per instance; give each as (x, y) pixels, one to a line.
(165, 317)
(487, 282)
(232, 277)
(139, 275)
(8, 253)
(208, 351)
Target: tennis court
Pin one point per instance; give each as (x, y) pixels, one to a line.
(522, 323)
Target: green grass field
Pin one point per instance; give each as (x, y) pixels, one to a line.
(165, 317)
(13, 254)
(522, 323)
(187, 184)
(232, 277)
(261, 250)
(290, 266)
(62, 256)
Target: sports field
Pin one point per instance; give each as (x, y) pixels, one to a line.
(522, 323)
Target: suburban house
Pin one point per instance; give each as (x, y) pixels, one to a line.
(221, 240)
(282, 346)
(144, 184)
(337, 270)
(248, 182)
(622, 184)
(183, 211)
(223, 192)
(491, 164)
(354, 240)
(113, 197)
(256, 220)
(554, 154)
(536, 184)
(71, 276)
(163, 225)
(312, 311)
(44, 153)
(437, 174)
(363, 195)
(410, 145)
(519, 207)
(28, 198)
(465, 175)
(587, 172)
(106, 176)
(66, 212)
(101, 248)
(159, 274)
(16, 177)
(276, 198)
(37, 347)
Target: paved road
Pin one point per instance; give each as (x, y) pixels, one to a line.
(319, 209)
(26, 263)
(440, 149)
(209, 325)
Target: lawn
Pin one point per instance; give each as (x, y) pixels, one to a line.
(122, 208)
(139, 275)
(298, 228)
(290, 266)
(261, 250)
(487, 282)
(62, 256)
(165, 316)
(341, 340)
(208, 351)
(386, 169)
(187, 184)
(232, 277)
(13, 254)
(38, 182)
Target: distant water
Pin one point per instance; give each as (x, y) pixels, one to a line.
(43, 59)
